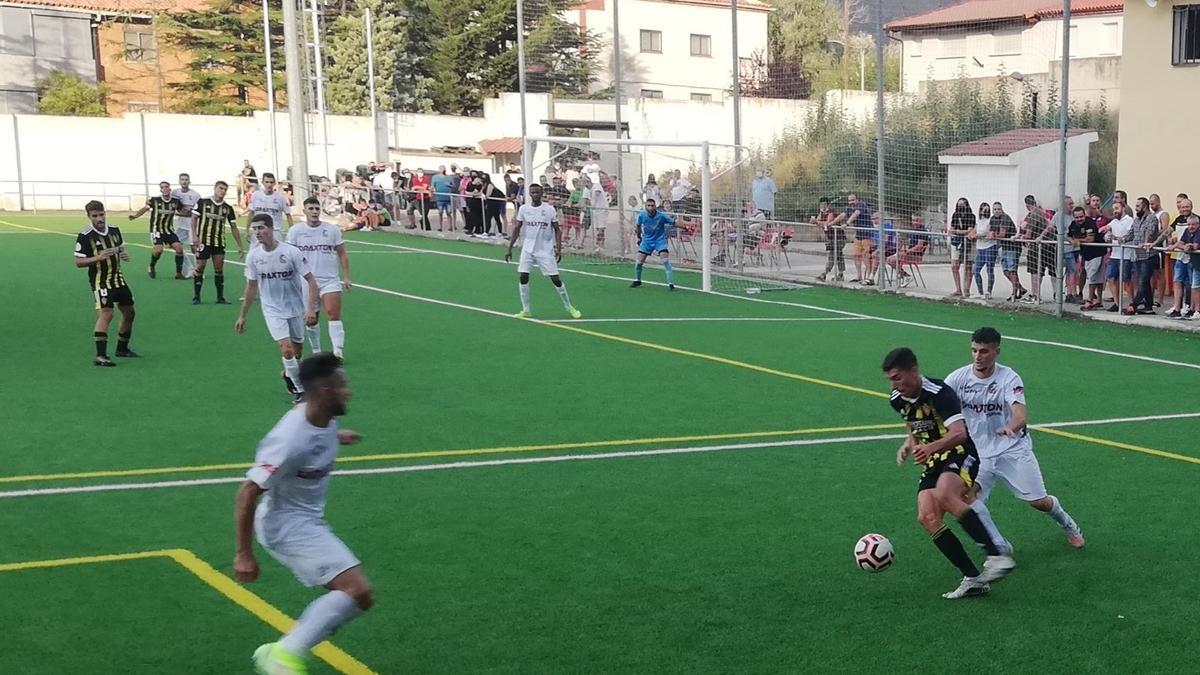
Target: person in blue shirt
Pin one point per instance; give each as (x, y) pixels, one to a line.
(652, 238)
(444, 186)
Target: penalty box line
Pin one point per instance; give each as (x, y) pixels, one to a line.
(238, 594)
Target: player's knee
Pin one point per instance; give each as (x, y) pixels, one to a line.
(524, 277)
(556, 280)
(930, 519)
(1043, 504)
(364, 596)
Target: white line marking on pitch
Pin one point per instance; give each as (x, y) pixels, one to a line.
(916, 324)
(664, 319)
(413, 468)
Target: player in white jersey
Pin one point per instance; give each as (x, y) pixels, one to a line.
(542, 246)
(188, 198)
(322, 245)
(280, 271)
(291, 468)
(993, 402)
(271, 202)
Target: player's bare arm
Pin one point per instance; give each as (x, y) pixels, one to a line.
(251, 294)
(237, 238)
(344, 263)
(1020, 415)
(512, 240)
(906, 447)
(310, 312)
(348, 437)
(245, 566)
(557, 240)
(92, 260)
(139, 213)
(955, 435)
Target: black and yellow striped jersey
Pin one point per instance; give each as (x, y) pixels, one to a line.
(104, 274)
(213, 217)
(162, 214)
(930, 414)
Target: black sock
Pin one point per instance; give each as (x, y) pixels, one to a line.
(219, 280)
(123, 340)
(101, 343)
(197, 283)
(154, 259)
(974, 526)
(953, 549)
(178, 263)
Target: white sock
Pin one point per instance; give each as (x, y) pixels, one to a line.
(985, 517)
(189, 263)
(314, 337)
(524, 290)
(320, 619)
(291, 368)
(337, 335)
(562, 293)
(1061, 517)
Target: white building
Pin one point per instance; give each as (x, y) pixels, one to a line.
(995, 38)
(675, 49)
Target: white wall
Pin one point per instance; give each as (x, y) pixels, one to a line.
(944, 55)
(675, 71)
(985, 182)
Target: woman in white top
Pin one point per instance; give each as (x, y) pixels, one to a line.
(651, 190)
(985, 250)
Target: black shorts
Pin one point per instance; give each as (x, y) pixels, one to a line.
(1041, 259)
(164, 238)
(107, 298)
(205, 252)
(965, 464)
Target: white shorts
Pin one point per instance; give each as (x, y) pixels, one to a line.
(285, 327)
(324, 287)
(184, 232)
(309, 549)
(545, 262)
(1019, 470)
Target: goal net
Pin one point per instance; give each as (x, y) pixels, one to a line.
(601, 185)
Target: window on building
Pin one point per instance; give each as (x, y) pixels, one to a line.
(704, 98)
(1185, 36)
(652, 41)
(140, 45)
(652, 93)
(61, 38)
(16, 31)
(915, 48)
(1110, 35)
(701, 45)
(1007, 44)
(143, 106)
(954, 47)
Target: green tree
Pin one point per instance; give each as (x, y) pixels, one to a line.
(63, 94)
(402, 36)
(798, 32)
(225, 56)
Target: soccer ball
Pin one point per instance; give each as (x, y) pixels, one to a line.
(874, 553)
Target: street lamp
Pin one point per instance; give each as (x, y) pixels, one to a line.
(1033, 96)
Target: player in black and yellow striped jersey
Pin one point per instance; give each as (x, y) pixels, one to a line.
(162, 226)
(938, 438)
(101, 249)
(209, 220)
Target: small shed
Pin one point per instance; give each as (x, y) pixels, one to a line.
(1009, 165)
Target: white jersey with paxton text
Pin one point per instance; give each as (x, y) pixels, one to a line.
(536, 227)
(274, 205)
(987, 406)
(279, 273)
(319, 246)
(292, 463)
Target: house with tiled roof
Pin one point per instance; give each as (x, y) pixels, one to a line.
(985, 39)
(675, 49)
(110, 42)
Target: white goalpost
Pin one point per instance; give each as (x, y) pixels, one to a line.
(538, 156)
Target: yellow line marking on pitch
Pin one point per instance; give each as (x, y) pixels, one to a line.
(154, 471)
(1118, 444)
(265, 611)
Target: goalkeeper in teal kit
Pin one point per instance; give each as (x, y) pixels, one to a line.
(652, 239)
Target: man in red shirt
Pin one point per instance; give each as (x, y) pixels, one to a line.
(421, 189)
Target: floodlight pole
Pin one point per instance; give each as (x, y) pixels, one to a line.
(316, 28)
(616, 45)
(526, 146)
(739, 212)
(270, 83)
(880, 129)
(295, 100)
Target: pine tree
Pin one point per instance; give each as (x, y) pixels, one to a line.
(401, 36)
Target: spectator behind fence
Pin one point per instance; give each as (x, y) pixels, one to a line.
(1004, 231)
(473, 197)
(651, 190)
(835, 240)
(1061, 222)
(858, 215)
(912, 252)
(1146, 235)
(985, 251)
(1183, 208)
(962, 224)
(1085, 230)
(889, 242)
(444, 187)
(420, 190)
(1162, 282)
(762, 193)
(1187, 269)
(1119, 232)
(493, 207)
(679, 186)
(1040, 256)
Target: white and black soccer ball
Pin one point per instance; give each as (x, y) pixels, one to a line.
(874, 553)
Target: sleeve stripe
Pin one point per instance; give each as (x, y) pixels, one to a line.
(954, 418)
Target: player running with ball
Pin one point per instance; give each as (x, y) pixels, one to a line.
(938, 438)
(993, 400)
(542, 246)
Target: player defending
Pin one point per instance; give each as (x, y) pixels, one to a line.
(272, 203)
(101, 249)
(542, 246)
(162, 227)
(938, 438)
(210, 218)
(280, 270)
(188, 198)
(292, 466)
(993, 401)
(321, 243)
(651, 229)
